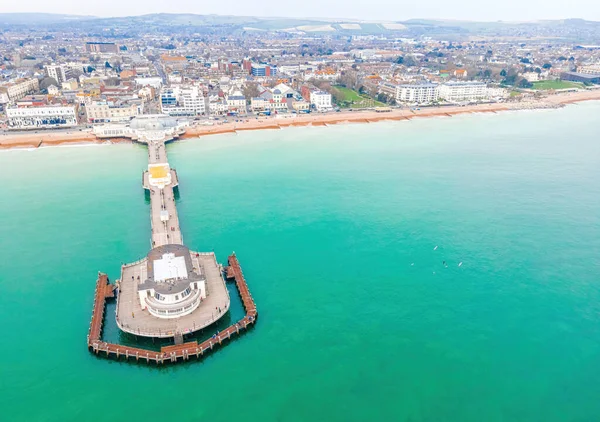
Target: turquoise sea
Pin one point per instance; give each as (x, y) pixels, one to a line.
(342, 233)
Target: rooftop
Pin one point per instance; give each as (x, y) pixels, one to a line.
(170, 269)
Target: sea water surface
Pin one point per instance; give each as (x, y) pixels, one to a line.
(431, 270)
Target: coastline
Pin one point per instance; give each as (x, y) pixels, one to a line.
(58, 138)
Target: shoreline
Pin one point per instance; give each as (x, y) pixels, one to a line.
(62, 138)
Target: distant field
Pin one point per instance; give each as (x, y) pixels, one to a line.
(543, 85)
(348, 98)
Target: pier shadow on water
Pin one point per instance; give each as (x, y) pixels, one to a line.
(112, 334)
(175, 195)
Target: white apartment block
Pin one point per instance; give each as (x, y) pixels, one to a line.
(320, 100)
(17, 89)
(464, 91)
(57, 72)
(182, 101)
(102, 111)
(41, 117)
(418, 94)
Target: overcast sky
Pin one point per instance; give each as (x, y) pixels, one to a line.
(513, 10)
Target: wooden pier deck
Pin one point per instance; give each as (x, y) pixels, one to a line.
(174, 353)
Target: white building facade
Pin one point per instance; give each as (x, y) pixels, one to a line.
(41, 117)
(418, 94)
(236, 102)
(182, 101)
(57, 72)
(103, 111)
(321, 100)
(464, 91)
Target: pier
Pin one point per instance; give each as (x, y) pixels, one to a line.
(174, 353)
(173, 291)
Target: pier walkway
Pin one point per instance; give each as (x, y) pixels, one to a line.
(174, 353)
(163, 212)
(132, 315)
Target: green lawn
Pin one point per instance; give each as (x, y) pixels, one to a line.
(348, 98)
(544, 85)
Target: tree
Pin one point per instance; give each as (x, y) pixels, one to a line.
(547, 66)
(338, 96)
(524, 83)
(510, 78)
(250, 90)
(503, 72)
(349, 79)
(399, 60)
(409, 61)
(525, 60)
(487, 73)
(46, 82)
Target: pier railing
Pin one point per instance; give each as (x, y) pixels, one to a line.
(175, 353)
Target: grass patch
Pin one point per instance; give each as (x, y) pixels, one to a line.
(349, 98)
(545, 85)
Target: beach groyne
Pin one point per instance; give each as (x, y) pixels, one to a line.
(174, 353)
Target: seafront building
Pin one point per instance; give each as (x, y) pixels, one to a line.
(142, 127)
(182, 101)
(423, 93)
(41, 116)
(236, 102)
(105, 111)
(321, 100)
(463, 91)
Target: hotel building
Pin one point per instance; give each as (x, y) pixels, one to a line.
(41, 116)
(417, 94)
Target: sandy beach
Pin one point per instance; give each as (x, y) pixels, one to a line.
(75, 136)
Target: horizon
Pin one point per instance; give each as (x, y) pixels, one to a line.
(511, 11)
(323, 18)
